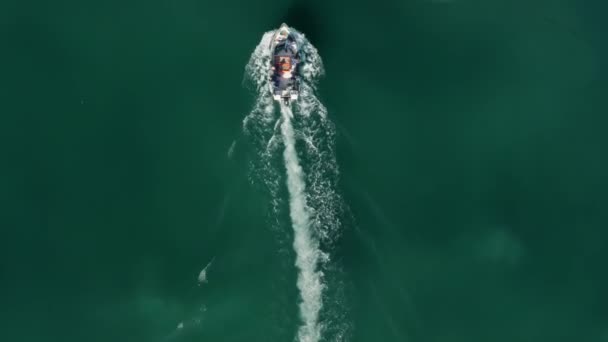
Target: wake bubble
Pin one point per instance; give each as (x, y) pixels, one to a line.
(309, 170)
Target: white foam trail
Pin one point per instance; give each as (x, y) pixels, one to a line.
(305, 244)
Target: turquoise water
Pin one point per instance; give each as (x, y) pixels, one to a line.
(461, 159)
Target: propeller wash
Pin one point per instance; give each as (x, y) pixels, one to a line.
(284, 69)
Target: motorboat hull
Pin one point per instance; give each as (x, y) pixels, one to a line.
(284, 66)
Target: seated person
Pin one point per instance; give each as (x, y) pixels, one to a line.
(284, 64)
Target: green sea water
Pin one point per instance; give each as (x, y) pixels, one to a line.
(469, 140)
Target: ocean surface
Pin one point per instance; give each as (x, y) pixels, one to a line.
(442, 178)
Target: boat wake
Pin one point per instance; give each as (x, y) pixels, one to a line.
(309, 170)
(305, 244)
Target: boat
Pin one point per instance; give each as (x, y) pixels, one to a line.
(284, 66)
